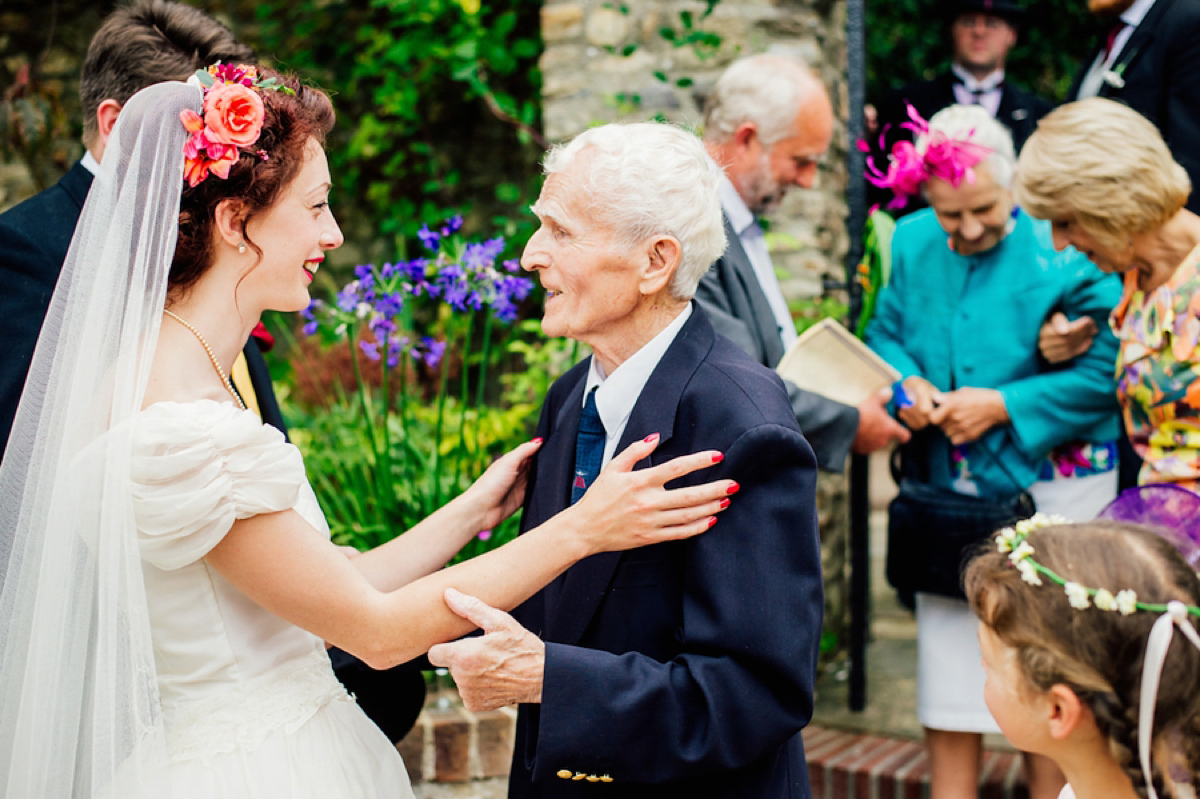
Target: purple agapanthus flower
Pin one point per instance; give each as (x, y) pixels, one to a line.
(370, 349)
(348, 298)
(428, 238)
(453, 225)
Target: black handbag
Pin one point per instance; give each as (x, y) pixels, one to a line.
(933, 530)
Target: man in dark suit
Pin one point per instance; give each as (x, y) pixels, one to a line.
(1149, 59)
(768, 121)
(686, 668)
(982, 33)
(137, 46)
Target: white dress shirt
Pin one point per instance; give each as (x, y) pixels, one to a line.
(1094, 80)
(986, 92)
(754, 242)
(619, 391)
(90, 163)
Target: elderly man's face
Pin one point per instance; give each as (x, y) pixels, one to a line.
(1108, 7)
(982, 41)
(591, 278)
(791, 161)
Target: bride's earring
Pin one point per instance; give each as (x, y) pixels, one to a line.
(242, 247)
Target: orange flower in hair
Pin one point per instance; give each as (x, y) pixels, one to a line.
(233, 114)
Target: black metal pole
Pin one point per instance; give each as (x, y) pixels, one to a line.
(860, 547)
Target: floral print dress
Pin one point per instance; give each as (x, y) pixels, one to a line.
(1158, 373)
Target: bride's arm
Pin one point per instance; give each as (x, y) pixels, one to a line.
(282, 564)
(430, 544)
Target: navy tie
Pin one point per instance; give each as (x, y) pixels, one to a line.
(589, 448)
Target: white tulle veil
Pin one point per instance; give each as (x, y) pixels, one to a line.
(79, 712)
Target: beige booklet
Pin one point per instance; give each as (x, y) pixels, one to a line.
(830, 360)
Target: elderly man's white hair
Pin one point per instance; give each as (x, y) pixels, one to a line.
(766, 90)
(652, 179)
(973, 123)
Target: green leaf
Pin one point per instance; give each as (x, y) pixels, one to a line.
(660, 75)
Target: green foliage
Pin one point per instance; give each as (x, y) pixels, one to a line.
(438, 104)
(910, 40)
(416, 428)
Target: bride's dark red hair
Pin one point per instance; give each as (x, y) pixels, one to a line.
(255, 184)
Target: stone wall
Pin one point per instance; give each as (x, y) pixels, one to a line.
(606, 61)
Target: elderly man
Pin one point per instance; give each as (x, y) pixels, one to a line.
(768, 122)
(683, 669)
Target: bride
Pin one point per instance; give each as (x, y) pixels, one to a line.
(169, 583)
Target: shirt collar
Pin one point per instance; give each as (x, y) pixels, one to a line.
(990, 82)
(734, 206)
(1134, 15)
(90, 163)
(619, 391)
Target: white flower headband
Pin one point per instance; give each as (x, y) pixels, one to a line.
(1174, 614)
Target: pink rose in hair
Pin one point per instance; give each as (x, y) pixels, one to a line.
(202, 155)
(234, 114)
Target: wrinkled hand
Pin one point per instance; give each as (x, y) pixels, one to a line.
(625, 508)
(500, 490)
(924, 397)
(876, 427)
(967, 413)
(1061, 340)
(502, 667)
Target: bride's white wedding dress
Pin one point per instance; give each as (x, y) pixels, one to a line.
(250, 702)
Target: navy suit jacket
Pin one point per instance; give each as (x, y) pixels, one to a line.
(735, 303)
(1159, 68)
(34, 238)
(684, 668)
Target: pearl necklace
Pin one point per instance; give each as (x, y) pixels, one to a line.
(216, 364)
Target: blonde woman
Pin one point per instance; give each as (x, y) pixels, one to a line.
(1104, 177)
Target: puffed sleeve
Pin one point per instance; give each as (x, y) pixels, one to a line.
(197, 468)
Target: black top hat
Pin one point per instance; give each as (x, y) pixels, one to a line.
(1008, 9)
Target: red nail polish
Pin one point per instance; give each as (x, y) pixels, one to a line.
(724, 503)
(711, 521)
(733, 489)
(537, 440)
(650, 438)
(718, 457)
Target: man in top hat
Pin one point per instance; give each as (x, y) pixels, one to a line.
(982, 32)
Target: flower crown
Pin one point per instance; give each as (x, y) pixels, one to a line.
(1012, 540)
(952, 160)
(1172, 615)
(232, 120)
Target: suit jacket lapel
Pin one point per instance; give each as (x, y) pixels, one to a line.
(573, 605)
(763, 317)
(1137, 46)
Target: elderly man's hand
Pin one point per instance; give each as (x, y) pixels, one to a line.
(876, 427)
(1060, 340)
(967, 413)
(502, 667)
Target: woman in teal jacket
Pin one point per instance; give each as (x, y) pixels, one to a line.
(972, 281)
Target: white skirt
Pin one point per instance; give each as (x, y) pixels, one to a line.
(949, 662)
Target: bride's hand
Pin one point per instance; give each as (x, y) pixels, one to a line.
(500, 490)
(625, 508)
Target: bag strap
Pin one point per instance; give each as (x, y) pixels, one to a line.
(999, 462)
